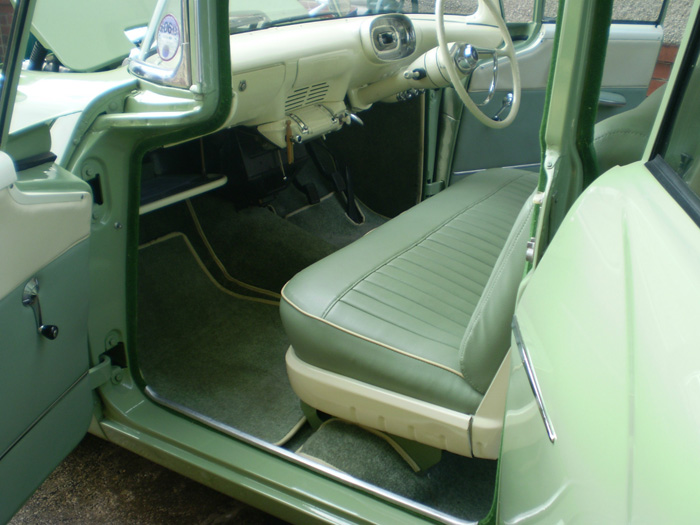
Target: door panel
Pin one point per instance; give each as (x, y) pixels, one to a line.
(478, 147)
(47, 404)
(43, 447)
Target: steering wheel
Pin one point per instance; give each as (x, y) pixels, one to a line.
(507, 50)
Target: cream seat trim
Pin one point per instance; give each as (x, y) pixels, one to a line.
(401, 415)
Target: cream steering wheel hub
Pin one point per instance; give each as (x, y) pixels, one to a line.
(507, 50)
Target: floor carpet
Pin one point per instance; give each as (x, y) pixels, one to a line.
(256, 245)
(327, 221)
(458, 486)
(203, 348)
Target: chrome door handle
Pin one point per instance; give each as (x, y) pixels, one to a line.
(30, 298)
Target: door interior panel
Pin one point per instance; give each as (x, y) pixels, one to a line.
(44, 224)
(630, 60)
(44, 288)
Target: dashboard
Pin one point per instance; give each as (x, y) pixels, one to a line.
(303, 81)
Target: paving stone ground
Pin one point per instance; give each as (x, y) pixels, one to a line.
(101, 483)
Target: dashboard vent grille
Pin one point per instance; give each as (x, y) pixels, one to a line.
(307, 95)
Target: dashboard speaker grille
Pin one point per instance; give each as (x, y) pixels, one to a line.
(307, 95)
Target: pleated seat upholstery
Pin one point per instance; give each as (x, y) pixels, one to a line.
(404, 308)
(404, 330)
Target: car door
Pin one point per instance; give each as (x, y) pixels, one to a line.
(633, 47)
(45, 396)
(602, 422)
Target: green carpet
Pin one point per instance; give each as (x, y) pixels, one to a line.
(327, 221)
(208, 351)
(459, 486)
(255, 245)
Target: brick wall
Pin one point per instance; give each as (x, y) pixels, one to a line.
(6, 12)
(662, 71)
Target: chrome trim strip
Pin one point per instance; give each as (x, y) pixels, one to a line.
(342, 477)
(529, 167)
(532, 377)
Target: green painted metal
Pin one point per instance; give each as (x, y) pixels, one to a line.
(11, 67)
(561, 176)
(612, 349)
(114, 145)
(258, 477)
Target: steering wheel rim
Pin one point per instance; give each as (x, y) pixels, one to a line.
(508, 50)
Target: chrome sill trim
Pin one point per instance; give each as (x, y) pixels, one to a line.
(342, 477)
(532, 378)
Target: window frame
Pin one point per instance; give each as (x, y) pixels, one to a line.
(12, 64)
(664, 173)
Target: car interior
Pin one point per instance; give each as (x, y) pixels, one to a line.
(371, 340)
(320, 277)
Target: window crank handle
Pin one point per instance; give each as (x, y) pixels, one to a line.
(30, 298)
(507, 102)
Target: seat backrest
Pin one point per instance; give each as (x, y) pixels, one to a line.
(618, 140)
(487, 337)
(622, 138)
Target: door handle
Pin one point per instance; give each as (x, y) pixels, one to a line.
(30, 298)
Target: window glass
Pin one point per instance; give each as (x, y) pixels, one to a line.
(681, 149)
(519, 10)
(6, 12)
(623, 10)
(636, 10)
(246, 15)
(6, 16)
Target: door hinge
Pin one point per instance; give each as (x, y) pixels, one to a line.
(100, 374)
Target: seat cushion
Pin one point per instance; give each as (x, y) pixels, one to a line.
(392, 308)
